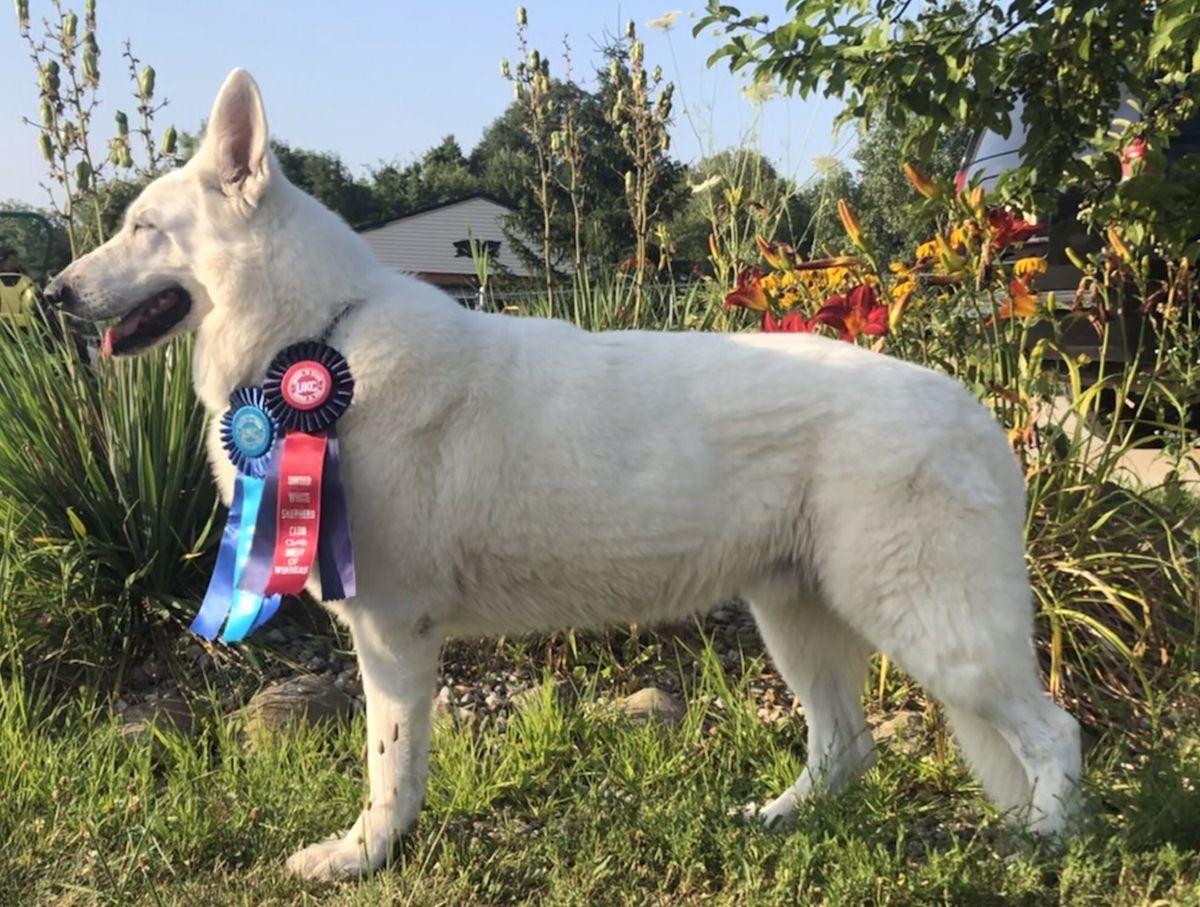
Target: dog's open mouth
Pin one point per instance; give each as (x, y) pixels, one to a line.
(150, 321)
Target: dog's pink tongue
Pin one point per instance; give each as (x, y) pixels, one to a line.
(106, 342)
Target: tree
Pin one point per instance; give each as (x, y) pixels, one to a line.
(883, 196)
(504, 163)
(442, 174)
(1064, 65)
(324, 176)
(737, 195)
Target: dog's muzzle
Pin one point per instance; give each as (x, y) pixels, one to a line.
(59, 294)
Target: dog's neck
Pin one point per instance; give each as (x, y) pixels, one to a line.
(292, 288)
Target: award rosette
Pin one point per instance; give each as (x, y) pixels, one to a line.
(303, 520)
(248, 435)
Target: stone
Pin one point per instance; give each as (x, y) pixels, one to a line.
(169, 713)
(902, 731)
(307, 698)
(653, 703)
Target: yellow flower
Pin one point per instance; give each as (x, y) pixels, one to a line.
(1030, 267)
(927, 251)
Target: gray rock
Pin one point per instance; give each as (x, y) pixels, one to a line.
(139, 721)
(653, 703)
(307, 698)
(902, 731)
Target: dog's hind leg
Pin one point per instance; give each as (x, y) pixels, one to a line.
(969, 645)
(398, 661)
(825, 664)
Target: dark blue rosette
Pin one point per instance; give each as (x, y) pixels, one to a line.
(249, 432)
(316, 407)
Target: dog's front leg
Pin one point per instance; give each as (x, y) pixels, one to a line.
(398, 665)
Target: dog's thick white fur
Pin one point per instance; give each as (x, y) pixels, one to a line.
(514, 474)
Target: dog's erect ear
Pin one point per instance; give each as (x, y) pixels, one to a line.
(237, 131)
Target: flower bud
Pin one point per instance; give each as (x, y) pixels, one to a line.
(45, 145)
(22, 14)
(920, 181)
(637, 53)
(91, 61)
(69, 25)
(83, 175)
(850, 222)
(146, 82)
(1118, 244)
(169, 140)
(122, 124)
(522, 20)
(630, 30)
(47, 113)
(505, 69)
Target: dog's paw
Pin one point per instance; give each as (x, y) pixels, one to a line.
(343, 858)
(772, 817)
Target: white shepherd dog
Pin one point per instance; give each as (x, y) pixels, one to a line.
(507, 475)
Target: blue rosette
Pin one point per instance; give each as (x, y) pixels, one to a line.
(249, 436)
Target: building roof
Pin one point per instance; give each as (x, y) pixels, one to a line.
(433, 240)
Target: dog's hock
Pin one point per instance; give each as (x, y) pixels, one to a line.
(237, 131)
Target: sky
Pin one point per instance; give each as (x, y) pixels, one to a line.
(376, 82)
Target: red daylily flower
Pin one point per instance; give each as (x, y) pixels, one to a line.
(748, 292)
(858, 312)
(793, 323)
(1131, 155)
(1009, 229)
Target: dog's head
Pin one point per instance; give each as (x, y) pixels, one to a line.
(161, 274)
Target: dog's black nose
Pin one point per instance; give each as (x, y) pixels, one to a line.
(60, 295)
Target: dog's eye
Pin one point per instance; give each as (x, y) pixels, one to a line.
(138, 226)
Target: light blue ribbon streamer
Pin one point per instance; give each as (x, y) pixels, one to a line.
(241, 612)
(249, 609)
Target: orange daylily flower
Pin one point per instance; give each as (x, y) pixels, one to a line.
(1021, 303)
(748, 292)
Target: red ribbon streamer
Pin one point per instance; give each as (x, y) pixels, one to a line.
(298, 512)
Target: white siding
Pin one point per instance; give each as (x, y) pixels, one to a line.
(423, 243)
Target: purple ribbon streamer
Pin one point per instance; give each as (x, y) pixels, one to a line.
(335, 552)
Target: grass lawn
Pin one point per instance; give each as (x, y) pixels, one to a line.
(570, 803)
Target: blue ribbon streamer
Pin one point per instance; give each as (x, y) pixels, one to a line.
(219, 597)
(247, 607)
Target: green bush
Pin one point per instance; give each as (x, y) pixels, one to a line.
(102, 477)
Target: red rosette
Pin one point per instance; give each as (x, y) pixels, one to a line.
(308, 387)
